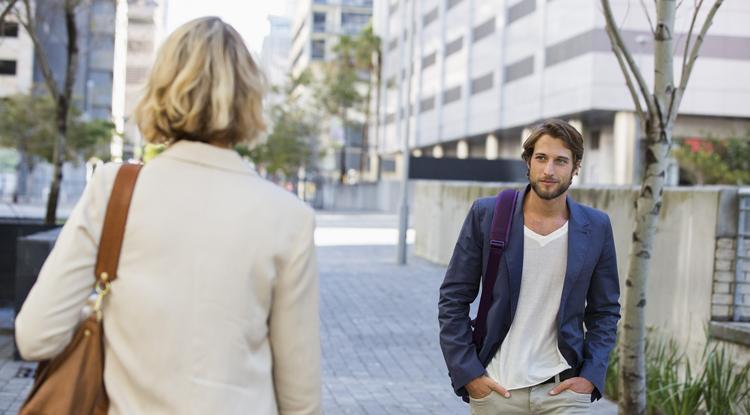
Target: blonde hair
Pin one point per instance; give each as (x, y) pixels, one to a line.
(204, 86)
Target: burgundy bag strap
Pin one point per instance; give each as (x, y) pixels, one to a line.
(505, 205)
(113, 230)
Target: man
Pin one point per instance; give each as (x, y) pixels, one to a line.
(557, 274)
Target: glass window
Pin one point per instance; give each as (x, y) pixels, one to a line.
(352, 23)
(318, 49)
(9, 29)
(7, 67)
(319, 22)
(357, 3)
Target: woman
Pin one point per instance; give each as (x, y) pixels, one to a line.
(215, 310)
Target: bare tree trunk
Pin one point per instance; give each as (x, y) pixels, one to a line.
(657, 112)
(57, 162)
(648, 206)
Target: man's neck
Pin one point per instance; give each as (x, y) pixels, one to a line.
(545, 209)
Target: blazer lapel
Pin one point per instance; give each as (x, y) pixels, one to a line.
(578, 242)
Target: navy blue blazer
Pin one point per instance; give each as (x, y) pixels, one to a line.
(590, 295)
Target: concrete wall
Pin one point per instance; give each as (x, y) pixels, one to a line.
(382, 196)
(680, 284)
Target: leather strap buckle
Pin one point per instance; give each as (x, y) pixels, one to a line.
(494, 243)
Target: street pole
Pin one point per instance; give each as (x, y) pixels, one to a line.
(403, 223)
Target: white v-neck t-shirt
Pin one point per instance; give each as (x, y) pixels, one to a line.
(529, 354)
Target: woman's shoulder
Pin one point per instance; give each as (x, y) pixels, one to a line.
(282, 200)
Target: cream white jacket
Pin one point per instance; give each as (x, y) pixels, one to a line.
(215, 309)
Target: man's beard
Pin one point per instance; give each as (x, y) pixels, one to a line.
(552, 194)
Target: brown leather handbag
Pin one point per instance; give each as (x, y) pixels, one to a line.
(73, 382)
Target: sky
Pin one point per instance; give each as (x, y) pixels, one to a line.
(249, 17)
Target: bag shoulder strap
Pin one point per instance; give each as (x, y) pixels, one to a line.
(505, 206)
(113, 230)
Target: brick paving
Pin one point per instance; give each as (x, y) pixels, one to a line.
(15, 377)
(379, 327)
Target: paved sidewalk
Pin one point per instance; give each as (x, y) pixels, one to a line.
(15, 377)
(379, 327)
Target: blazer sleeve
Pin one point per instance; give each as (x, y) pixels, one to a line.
(459, 289)
(294, 326)
(52, 310)
(601, 315)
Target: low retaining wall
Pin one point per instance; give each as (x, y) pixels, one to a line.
(382, 196)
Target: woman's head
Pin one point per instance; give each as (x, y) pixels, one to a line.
(204, 86)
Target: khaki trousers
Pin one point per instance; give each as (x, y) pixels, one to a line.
(534, 400)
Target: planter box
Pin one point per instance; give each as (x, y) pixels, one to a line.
(10, 230)
(32, 251)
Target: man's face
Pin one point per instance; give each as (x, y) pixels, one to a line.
(551, 168)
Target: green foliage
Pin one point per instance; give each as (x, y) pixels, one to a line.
(346, 78)
(290, 143)
(611, 388)
(716, 161)
(287, 148)
(338, 90)
(727, 388)
(673, 388)
(28, 123)
(667, 391)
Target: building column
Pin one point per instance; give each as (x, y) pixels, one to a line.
(491, 147)
(625, 138)
(437, 152)
(416, 152)
(462, 149)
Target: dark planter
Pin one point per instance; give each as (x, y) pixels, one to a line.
(10, 230)
(32, 251)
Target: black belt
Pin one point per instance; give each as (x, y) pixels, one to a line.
(564, 375)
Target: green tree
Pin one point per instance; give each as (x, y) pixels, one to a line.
(286, 148)
(347, 83)
(291, 143)
(715, 161)
(28, 124)
(369, 58)
(60, 92)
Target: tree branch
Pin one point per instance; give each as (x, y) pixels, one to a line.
(688, 63)
(690, 37)
(626, 74)
(29, 24)
(7, 10)
(648, 17)
(620, 44)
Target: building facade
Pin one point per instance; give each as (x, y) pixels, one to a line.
(96, 38)
(16, 58)
(274, 56)
(140, 24)
(316, 29)
(317, 25)
(484, 71)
